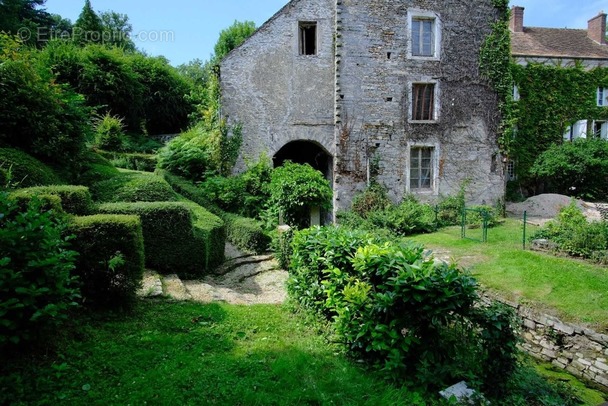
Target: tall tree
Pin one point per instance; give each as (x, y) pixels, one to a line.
(88, 27)
(232, 37)
(24, 18)
(117, 30)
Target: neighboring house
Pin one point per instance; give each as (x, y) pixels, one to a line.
(567, 48)
(370, 89)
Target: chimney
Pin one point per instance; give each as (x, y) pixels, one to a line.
(597, 28)
(517, 19)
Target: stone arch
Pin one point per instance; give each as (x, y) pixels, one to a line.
(305, 151)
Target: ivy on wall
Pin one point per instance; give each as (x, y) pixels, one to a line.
(552, 98)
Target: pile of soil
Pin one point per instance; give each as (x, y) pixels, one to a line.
(547, 206)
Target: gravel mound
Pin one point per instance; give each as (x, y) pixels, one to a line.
(547, 206)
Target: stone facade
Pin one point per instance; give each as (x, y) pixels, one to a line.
(355, 96)
(581, 351)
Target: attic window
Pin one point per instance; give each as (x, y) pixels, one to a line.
(308, 37)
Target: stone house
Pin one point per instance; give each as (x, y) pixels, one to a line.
(385, 90)
(567, 48)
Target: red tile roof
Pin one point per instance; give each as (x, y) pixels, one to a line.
(556, 43)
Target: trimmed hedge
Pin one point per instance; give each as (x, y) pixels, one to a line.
(177, 238)
(74, 199)
(96, 169)
(133, 187)
(25, 170)
(246, 234)
(111, 260)
(134, 161)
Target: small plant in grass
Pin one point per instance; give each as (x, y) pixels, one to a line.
(37, 287)
(109, 133)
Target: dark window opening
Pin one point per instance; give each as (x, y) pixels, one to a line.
(389, 99)
(308, 38)
(388, 55)
(423, 101)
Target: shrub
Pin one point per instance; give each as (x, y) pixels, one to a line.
(409, 217)
(476, 215)
(37, 286)
(23, 170)
(111, 260)
(246, 233)
(109, 133)
(132, 161)
(282, 246)
(241, 239)
(449, 209)
(171, 243)
(95, 168)
(188, 155)
(226, 193)
(74, 199)
(133, 187)
(294, 190)
(374, 198)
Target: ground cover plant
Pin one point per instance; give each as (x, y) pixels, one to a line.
(188, 353)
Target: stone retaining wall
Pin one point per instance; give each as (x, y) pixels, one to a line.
(580, 351)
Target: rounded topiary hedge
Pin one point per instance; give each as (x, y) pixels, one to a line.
(74, 199)
(22, 170)
(133, 187)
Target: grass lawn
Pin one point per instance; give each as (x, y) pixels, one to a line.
(186, 353)
(571, 289)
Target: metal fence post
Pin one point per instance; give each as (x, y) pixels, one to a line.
(525, 224)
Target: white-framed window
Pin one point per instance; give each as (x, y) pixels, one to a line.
(423, 168)
(600, 129)
(307, 37)
(602, 96)
(425, 34)
(516, 95)
(424, 101)
(576, 131)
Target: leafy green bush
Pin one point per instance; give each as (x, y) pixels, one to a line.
(400, 309)
(408, 217)
(578, 168)
(449, 209)
(111, 261)
(245, 236)
(294, 190)
(374, 198)
(23, 170)
(74, 199)
(37, 286)
(132, 161)
(574, 235)
(477, 214)
(282, 246)
(133, 187)
(109, 133)
(246, 233)
(95, 168)
(176, 239)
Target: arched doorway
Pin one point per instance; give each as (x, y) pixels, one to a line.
(305, 152)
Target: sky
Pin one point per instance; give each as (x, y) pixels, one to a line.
(183, 30)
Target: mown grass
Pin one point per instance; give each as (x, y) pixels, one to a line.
(188, 353)
(574, 290)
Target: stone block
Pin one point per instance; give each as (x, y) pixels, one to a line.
(558, 364)
(549, 353)
(602, 380)
(584, 362)
(564, 328)
(599, 338)
(601, 365)
(578, 366)
(529, 324)
(563, 360)
(548, 345)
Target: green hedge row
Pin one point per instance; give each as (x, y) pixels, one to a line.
(176, 240)
(134, 161)
(246, 234)
(22, 170)
(74, 199)
(111, 260)
(95, 169)
(133, 187)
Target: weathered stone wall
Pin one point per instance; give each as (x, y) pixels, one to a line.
(374, 80)
(278, 95)
(581, 351)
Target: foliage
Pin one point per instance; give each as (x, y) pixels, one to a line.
(400, 309)
(117, 30)
(246, 233)
(131, 161)
(574, 235)
(294, 190)
(477, 214)
(24, 14)
(74, 199)
(374, 198)
(406, 218)
(232, 37)
(133, 187)
(179, 237)
(23, 170)
(111, 261)
(95, 168)
(109, 133)
(449, 208)
(282, 247)
(36, 114)
(88, 27)
(552, 98)
(36, 272)
(578, 168)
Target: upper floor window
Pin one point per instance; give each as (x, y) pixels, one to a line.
(423, 102)
(425, 35)
(602, 96)
(307, 33)
(516, 95)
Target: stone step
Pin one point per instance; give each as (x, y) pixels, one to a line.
(152, 285)
(174, 288)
